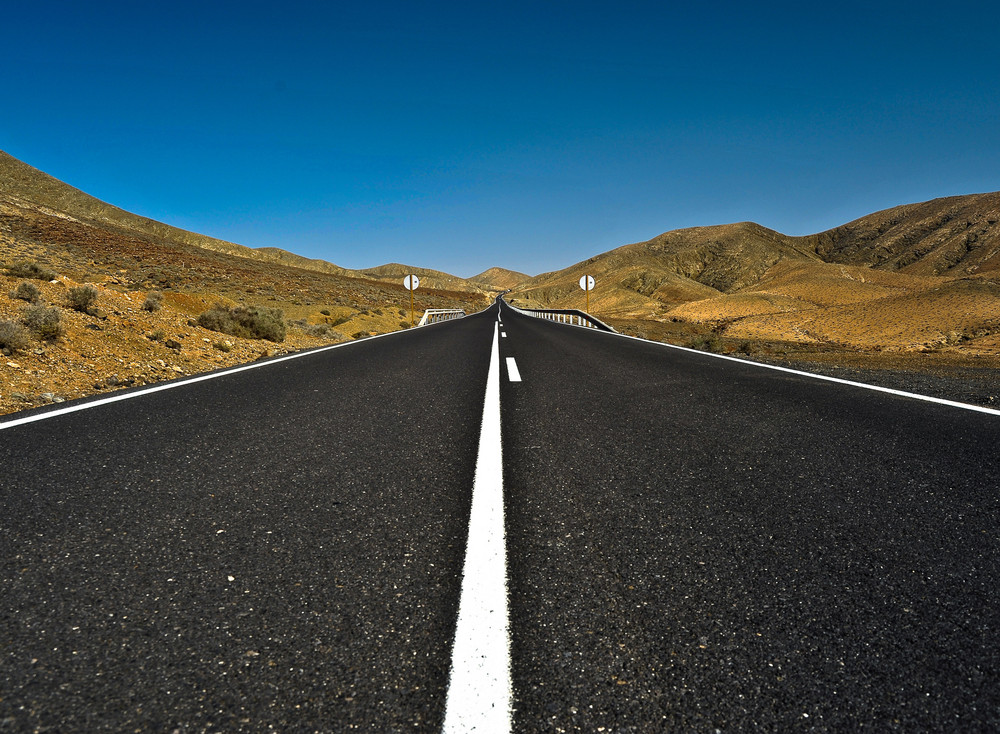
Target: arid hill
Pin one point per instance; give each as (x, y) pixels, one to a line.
(395, 273)
(22, 184)
(54, 239)
(499, 278)
(954, 236)
(909, 279)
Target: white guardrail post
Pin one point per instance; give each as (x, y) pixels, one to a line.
(573, 319)
(434, 315)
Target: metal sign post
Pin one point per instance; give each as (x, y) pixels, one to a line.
(587, 283)
(411, 282)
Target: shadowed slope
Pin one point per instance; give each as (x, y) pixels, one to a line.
(957, 235)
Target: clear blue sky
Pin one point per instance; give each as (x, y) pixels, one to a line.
(529, 135)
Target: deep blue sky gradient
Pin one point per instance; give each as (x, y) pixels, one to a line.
(529, 135)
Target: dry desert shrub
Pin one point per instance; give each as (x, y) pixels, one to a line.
(255, 322)
(82, 297)
(44, 321)
(153, 302)
(13, 337)
(707, 343)
(315, 330)
(27, 291)
(30, 270)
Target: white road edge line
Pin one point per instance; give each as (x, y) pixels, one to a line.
(512, 374)
(827, 378)
(197, 378)
(479, 687)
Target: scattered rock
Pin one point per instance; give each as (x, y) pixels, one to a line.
(172, 344)
(14, 365)
(92, 327)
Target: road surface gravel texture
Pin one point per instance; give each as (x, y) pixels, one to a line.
(694, 544)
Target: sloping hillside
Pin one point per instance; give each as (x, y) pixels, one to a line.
(120, 341)
(22, 184)
(916, 277)
(647, 278)
(957, 235)
(499, 278)
(395, 273)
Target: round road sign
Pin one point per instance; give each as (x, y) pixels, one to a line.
(412, 282)
(587, 282)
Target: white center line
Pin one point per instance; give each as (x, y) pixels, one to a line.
(479, 690)
(512, 374)
(503, 334)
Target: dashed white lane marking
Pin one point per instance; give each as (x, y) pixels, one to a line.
(503, 334)
(479, 689)
(512, 374)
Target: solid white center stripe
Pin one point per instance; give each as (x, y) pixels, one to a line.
(512, 374)
(479, 690)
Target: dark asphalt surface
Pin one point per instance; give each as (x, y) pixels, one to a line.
(699, 545)
(280, 548)
(693, 545)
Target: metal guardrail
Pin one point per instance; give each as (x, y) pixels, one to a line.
(571, 316)
(434, 315)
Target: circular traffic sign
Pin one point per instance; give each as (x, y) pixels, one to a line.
(412, 282)
(587, 282)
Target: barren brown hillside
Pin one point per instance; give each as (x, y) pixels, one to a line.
(119, 342)
(499, 278)
(953, 236)
(435, 279)
(28, 187)
(916, 279)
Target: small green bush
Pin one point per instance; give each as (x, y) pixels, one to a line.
(82, 297)
(30, 270)
(255, 322)
(317, 330)
(13, 337)
(27, 291)
(158, 335)
(325, 311)
(44, 321)
(708, 343)
(153, 302)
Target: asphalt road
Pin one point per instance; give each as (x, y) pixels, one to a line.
(278, 548)
(693, 544)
